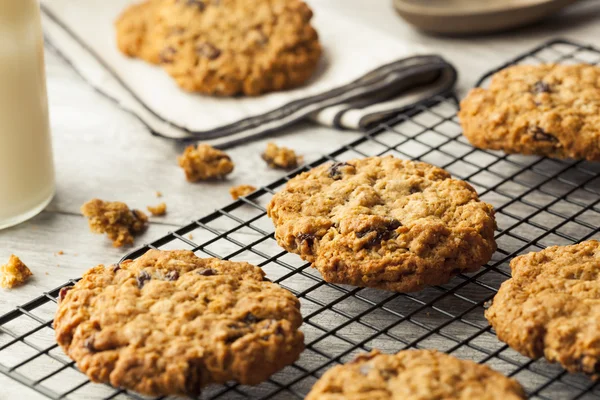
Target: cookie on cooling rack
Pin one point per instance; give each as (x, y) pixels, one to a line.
(551, 306)
(414, 375)
(385, 223)
(225, 47)
(549, 110)
(170, 323)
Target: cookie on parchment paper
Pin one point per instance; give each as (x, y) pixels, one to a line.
(414, 375)
(172, 323)
(548, 110)
(384, 222)
(551, 306)
(224, 47)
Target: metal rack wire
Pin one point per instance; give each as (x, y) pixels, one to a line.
(538, 202)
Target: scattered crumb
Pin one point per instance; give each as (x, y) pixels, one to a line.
(160, 209)
(281, 157)
(158, 194)
(241, 191)
(14, 273)
(115, 219)
(190, 236)
(204, 162)
(60, 253)
(47, 273)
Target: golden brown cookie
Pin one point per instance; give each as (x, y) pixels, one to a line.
(170, 323)
(203, 162)
(278, 157)
(549, 110)
(224, 47)
(414, 375)
(14, 273)
(383, 222)
(551, 306)
(115, 219)
(240, 191)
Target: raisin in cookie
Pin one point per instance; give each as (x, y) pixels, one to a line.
(414, 375)
(551, 306)
(171, 323)
(225, 47)
(549, 110)
(384, 222)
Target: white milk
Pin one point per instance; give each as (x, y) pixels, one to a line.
(26, 168)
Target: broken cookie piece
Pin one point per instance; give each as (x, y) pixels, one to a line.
(158, 210)
(281, 157)
(241, 190)
(115, 219)
(14, 273)
(203, 162)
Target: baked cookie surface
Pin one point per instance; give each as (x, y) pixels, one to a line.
(224, 47)
(384, 222)
(413, 375)
(551, 306)
(549, 110)
(171, 323)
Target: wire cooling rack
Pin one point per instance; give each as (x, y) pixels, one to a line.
(538, 201)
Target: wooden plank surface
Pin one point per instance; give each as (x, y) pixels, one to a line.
(104, 152)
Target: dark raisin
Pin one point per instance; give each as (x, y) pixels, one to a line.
(415, 189)
(385, 232)
(166, 56)
(541, 87)
(63, 293)
(116, 268)
(142, 278)
(193, 377)
(388, 373)
(250, 318)
(279, 330)
(200, 4)
(172, 275)
(265, 338)
(208, 50)
(334, 171)
(206, 272)
(309, 238)
(89, 344)
(542, 136)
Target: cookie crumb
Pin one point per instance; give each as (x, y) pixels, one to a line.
(14, 273)
(158, 194)
(60, 253)
(160, 209)
(190, 236)
(115, 219)
(203, 162)
(281, 157)
(240, 191)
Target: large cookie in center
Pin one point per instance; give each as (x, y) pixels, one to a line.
(384, 222)
(171, 323)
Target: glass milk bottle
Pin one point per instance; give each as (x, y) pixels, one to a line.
(26, 168)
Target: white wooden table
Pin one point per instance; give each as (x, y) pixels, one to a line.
(104, 152)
